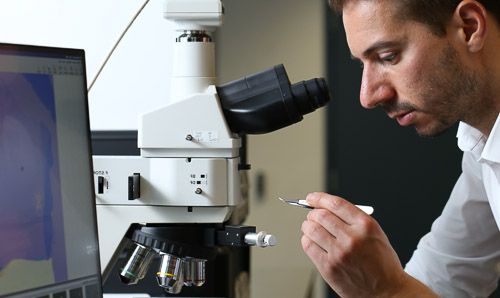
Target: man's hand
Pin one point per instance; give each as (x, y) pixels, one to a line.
(352, 253)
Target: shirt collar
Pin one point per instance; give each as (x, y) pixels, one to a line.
(471, 139)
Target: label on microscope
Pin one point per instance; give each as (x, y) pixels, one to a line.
(206, 136)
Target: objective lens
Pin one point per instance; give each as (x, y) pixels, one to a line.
(169, 275)
(194, 272)
(137, 263)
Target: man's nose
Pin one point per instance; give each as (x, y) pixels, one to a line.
(375, 89)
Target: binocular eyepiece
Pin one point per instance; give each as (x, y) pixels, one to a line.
(266, 101)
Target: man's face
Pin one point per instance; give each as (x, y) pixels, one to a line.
(418, 78)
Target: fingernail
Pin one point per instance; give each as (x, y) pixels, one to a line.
(311, 197)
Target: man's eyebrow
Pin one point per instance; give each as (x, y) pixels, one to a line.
(375, 47)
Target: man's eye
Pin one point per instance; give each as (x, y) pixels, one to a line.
(389, 58)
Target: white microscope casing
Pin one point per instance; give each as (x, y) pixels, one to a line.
(188, 171)
(188, 168)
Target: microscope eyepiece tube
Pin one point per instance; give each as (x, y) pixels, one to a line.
(170, 275)
(137, 264)
(310, 95)
(266, 101)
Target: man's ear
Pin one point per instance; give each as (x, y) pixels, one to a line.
(470, 19)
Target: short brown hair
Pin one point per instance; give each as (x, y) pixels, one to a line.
(435, 14)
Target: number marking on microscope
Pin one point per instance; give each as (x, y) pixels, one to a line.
(206, 136)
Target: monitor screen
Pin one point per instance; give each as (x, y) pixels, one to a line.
(48, 230)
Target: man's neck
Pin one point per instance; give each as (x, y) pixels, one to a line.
(486, 124)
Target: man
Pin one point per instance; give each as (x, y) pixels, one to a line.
(428, 64)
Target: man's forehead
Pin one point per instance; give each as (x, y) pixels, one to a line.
(378, 3)
(369, 23)
(366, 13)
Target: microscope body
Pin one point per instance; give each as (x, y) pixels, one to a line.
(187, 179)
(188, 173)
(173, 202)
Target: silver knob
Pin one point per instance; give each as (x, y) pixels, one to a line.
(260, 239)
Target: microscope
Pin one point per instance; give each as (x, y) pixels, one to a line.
(176, 202)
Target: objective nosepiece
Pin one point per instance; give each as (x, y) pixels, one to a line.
(137, 263)
(265, 101)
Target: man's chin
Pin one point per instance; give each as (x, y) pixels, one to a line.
(432, 131)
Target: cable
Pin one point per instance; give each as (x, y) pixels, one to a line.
(116, 44)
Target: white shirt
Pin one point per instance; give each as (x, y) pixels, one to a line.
(460, 256)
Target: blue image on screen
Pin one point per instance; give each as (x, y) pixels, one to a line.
(31, 220)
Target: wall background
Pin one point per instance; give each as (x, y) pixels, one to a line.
(121, 92)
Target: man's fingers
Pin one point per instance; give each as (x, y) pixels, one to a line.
(343, 209)
(318, 234)
(330, 222)
(317, 254)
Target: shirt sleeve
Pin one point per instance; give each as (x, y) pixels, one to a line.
(460, 256)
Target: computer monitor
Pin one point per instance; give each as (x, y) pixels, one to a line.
(48, 230)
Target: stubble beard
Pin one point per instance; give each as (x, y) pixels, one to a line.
(450, 93)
